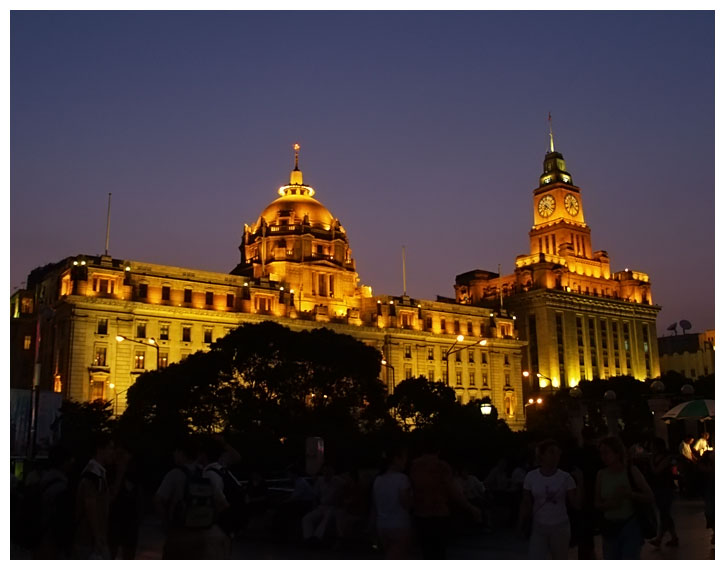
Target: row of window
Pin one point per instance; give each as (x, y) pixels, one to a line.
(431, 355)
(164, 331)
(143, 292)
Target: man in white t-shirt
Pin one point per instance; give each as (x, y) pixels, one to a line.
(392, 497)
(547, 491)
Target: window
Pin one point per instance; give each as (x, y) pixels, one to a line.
(507, 379)
(187, 295)
(470, 355)
(57, 384)
(456, 327)
(143, 290)
(484, 358)
(430, 353)
(165, 293)
(407, 351)
(141, 330)
(428, 323)
(262, 303)
(99, 358)
(186, 334)
(207, 336)
(443, 325)
(164, 331)
(98, 388)
(408, 372)
(27, 341)
(484, 379)
(163, 359)
(431, 374)
(505, 359)
(209, 298)
(230, 300)
(470, 328)
(459, 378)
(406, 320)
(139, 360)
(471, 379)
(458, 356)
(102, 326)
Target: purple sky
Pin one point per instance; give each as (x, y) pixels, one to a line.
(423, 129)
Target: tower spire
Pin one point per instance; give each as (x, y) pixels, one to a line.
(295, 176)
(551, 135)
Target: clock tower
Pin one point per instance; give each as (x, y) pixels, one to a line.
(558, 211)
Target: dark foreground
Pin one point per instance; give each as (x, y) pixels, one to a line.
(501, 544)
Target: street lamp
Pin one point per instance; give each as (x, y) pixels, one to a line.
(391, 387)
(451, 350)
(486, 408)
(152, 343)
(553, 383)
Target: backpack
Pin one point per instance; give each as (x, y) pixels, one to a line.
(233, 489)
(196, 509)
(233, 518)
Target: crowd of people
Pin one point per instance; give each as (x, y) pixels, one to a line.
(410, 506)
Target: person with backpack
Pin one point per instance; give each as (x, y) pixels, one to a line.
(189, 505)
(217, 456)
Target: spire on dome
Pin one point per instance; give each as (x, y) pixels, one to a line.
(295, 176)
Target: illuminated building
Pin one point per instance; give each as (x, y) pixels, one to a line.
(692, 355)
(297, 269)
(581, 320)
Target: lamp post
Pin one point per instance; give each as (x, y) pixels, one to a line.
(391, 387)
(152, 343)
(658, 404)
(542, 377)
(486, 408)
(531, 402)
(611, 412)
(459, 338)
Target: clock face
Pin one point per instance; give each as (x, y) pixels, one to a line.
(571, 204)
(546, 206)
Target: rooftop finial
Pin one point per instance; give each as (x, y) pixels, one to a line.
(295, 176)
(551, 135)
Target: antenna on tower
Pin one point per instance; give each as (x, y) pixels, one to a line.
(405, 290)
(108, 222)
(551, 135)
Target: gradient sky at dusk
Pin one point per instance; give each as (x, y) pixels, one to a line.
(423, 129)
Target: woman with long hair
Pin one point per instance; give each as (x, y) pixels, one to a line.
(618, 487)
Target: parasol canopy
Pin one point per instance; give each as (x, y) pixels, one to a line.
(699, 409)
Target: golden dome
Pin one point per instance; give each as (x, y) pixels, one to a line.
(297, 206)
(291, 209)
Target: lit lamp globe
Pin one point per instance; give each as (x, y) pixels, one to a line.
(486, 408)
(610, 395)
(657, 386)
(687, 390)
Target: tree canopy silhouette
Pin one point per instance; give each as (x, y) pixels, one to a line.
(264, 379)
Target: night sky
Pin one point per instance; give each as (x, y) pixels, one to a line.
(423, 129)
